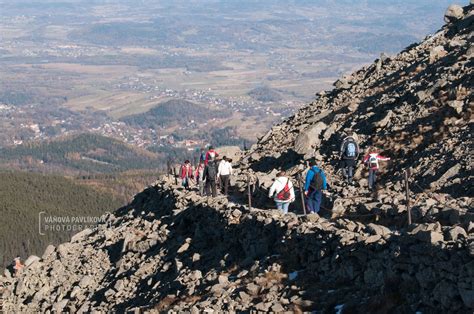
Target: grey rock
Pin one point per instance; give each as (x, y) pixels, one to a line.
(378, 230)
(49, 250)
(456, 105)
(31, 260)
(86, 281)
(455, 232)
(253, 289)
(373, 239)
(196, 257)
(385, 121)
(277, 308)
(453, 13)
(223, 279)
(59, 306)
(81, 235)
(183, 248)
(342, 84)
(308, 139)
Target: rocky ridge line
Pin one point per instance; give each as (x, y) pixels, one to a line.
(173, 250)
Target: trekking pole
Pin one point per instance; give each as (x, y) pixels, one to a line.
(407, 194)
(249, 192)
(301, 193)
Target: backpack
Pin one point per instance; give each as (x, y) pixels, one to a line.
(317, 182)
(284, 194)
(212, 155)
(211, 170)
(351, 149)
(373, 162)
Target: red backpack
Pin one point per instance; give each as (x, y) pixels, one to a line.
(284, 194)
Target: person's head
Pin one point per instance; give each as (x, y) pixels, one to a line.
(224, 158)
(350, 133)
(211, 147)
(281, 174)
(186, 161)
(312, 163)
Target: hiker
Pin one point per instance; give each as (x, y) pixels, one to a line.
(211, 155)
(372, 160)
(224, 172)
(199, 175)
(282, 192)
(186, 174)
(210, 175)
(349, 155)
(202, 155)
(18, 266)
(314, 186)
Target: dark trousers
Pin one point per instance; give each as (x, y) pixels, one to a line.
(372, 178)
(348, 172)
(313, 201)
(348, 166)
(225, 184)
(211, 186)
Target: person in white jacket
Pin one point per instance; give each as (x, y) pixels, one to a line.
(223, 173)
(282, 192)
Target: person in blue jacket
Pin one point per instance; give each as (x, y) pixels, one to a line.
(314, 186)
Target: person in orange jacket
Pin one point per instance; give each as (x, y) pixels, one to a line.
(18, 266)
(372, 160)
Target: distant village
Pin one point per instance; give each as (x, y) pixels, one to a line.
(29, 125)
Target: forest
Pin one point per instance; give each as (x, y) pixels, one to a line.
(175, 112)
(24, 195)
(84, 152)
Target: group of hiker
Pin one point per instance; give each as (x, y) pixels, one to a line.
(282, 190)
(209, 173)
(212, 172)
(349, 154)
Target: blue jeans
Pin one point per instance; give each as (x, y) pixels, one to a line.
(283, 206)
(313, 201)
(372, 178)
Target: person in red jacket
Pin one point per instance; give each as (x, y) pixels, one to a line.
(211, 155)
(186, 174)
(372, 160)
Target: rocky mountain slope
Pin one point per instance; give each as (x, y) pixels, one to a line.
(174, 250)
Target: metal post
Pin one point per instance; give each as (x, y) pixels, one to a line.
(249, 192)
(301, 193)
(407, 194)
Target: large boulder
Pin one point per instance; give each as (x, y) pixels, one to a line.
(233, 152)
(453, 13)
(308, 139)
(437, 53)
